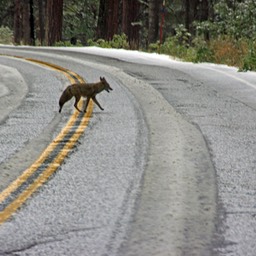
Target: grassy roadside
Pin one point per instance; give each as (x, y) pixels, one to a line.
(222, 50)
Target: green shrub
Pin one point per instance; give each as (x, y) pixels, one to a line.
(6, 35)
(203, 52)
(154, 47)
(249, 60)
(182, 35)
(67, 44)
(172, 47)
(178, 45)
(118, 41)
(223, 50)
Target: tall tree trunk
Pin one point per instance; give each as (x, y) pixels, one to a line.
(108, 21)
(41, 21)
(112, 18)
(130, 25)
(32, 22)
(24, 22)
(187, 15)
(102, 20)
(205, 15)
(54, 16)
(153, 20)
(125, 17)
(17, 22)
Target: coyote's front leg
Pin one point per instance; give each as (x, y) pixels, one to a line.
(86, 104)
(98, 104)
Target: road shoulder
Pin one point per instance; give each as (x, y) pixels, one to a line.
(176, 211)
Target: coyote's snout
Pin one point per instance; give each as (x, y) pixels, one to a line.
(84, 90)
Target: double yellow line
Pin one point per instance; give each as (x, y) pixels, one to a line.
(53, 156)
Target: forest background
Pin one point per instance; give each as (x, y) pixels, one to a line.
(220, 31)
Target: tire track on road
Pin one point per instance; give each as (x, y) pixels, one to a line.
(16, 194)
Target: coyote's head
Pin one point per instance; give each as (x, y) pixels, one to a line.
(106, 84)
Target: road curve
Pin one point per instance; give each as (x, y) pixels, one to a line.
(165, 194)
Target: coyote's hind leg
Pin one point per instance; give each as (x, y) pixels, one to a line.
(76, 102)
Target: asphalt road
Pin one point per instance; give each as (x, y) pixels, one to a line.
(167, 169)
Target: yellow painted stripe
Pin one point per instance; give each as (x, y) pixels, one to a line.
(59, 68)
(11, 208)
(28, 172)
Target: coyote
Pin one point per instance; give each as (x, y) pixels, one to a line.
(84, 90)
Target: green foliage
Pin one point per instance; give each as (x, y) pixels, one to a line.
(80, 19)
(178, 45)
(182, 35)
(100, 43)
(232, 32)
(6, 14)
(118, 41)
(249, 60)
(203, 51)
(249, 63)
(235, 19)
(154, 47)
(172, 47)
(225, 50)
(203, 54)
(67, 44)
(6, 35)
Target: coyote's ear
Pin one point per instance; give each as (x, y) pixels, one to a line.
(101, 78)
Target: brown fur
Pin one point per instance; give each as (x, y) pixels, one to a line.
(84, 90)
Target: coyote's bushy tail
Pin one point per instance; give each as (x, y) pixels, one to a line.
(66, 96)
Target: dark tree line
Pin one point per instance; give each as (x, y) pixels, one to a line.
(47, 27)
(117, 16)
(133, 17)
(49, 21)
